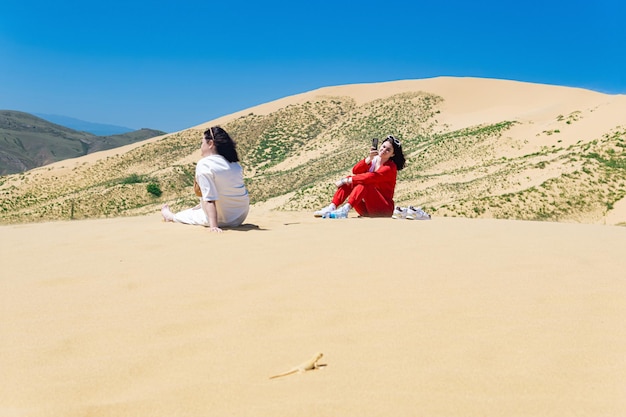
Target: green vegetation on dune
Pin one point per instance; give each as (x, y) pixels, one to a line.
(266, 141)
(296, 152)
(589, 178)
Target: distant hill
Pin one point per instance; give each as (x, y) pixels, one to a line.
(476, 148)
(98, 129)
(27, 141)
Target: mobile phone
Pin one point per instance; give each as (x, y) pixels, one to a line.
(375, 143)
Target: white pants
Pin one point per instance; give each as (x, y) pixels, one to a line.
(195, 216)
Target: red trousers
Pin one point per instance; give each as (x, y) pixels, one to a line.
(366, 200)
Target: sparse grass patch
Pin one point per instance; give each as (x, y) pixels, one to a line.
(133, 179)
(154, 189)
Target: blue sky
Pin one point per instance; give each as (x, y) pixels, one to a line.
(170, 65)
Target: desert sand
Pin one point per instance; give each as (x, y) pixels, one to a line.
(447, 317)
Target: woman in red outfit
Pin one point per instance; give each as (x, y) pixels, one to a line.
(370, 190)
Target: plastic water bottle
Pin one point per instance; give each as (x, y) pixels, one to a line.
(338, 214)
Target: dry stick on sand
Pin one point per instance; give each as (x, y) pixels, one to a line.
(309, 365)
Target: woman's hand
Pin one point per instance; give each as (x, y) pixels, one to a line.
(373, 153)
(343, 181)
(215, 229)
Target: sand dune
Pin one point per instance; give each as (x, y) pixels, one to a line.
(491, 100)
(468, 102)
(448, 317)
(559, 155)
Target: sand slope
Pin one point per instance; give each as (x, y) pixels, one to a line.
(449, 317)
(475, 147)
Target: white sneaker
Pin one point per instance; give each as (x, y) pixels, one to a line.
(399, 213)
(324, 212)
(417, 214)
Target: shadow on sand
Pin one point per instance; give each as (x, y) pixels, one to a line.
(246, 227)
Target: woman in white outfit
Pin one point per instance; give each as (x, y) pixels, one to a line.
(224, 201)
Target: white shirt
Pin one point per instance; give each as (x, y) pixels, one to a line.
(222, 181)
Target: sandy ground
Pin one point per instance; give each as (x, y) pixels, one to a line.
(448, 317)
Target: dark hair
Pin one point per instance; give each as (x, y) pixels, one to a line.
(398, 155)
(224, 144)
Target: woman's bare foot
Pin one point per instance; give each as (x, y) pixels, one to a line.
(167, 214)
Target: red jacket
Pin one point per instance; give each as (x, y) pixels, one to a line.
(384, 179)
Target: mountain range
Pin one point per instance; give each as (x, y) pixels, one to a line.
(98, 129)
(28, 141)
(477, 148)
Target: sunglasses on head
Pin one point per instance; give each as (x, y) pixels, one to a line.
(396, 141)
(207, 139)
